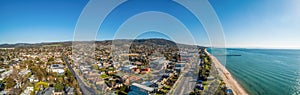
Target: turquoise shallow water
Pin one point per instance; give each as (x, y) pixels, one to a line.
(266, 71)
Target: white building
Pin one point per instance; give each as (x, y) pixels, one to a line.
(58, 68)
(24, 72)
(5, 74)
(33, 79)
(27, 91)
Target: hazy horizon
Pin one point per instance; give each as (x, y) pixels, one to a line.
(154, 38)
(246, 23)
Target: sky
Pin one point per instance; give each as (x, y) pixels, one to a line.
(246, 23)
(260, 23)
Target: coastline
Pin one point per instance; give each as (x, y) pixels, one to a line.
(226, 77)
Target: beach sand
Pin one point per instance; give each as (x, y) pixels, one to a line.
(227, 78)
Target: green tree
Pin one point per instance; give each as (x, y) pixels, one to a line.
(58, 87)
(95, 66)
(68, 73)
(1, 59)
(10, 82)
(51, 59)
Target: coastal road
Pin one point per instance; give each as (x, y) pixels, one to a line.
(188, 81)
(84, 89)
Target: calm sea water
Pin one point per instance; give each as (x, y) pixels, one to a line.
(266, 71)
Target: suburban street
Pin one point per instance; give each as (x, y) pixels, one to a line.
(84, 89)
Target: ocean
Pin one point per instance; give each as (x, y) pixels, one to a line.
(265, 71)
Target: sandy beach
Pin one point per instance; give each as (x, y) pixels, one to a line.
(227, 78)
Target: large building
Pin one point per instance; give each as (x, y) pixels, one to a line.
(139, 89)
(58, 68)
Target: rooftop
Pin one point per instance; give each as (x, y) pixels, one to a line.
(149, 89)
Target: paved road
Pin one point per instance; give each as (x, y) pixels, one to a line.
(188, 81)
(84, 89)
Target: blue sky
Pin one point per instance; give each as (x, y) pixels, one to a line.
(260, 23)
(246, 23)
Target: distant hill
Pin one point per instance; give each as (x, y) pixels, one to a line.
(15, 45)
(152, 41)
(155, 41)
(35, 45)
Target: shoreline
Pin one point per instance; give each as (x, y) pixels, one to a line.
(227, 77)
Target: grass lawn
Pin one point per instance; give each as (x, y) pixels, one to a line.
(205, 82)
(205, 87)
(104, 76)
